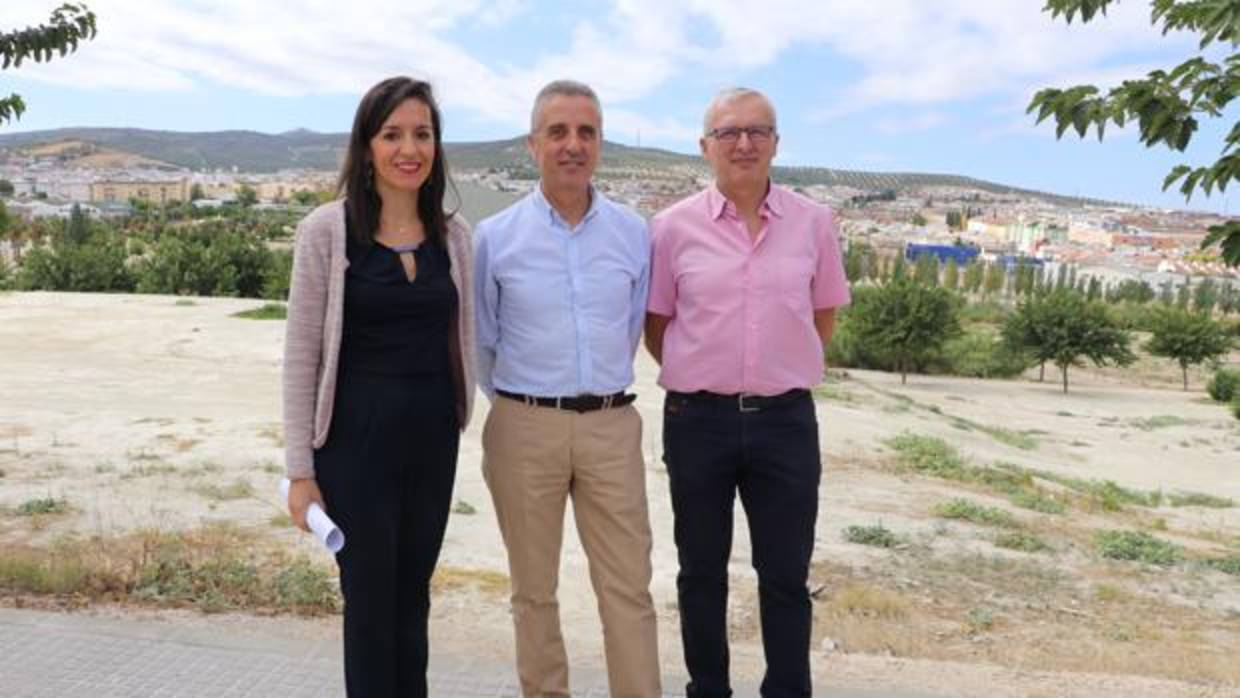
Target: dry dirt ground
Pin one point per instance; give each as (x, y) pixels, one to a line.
(154, 412)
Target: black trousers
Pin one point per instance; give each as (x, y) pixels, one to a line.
(713, 451)
(386, 473)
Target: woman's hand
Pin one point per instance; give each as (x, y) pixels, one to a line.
(301, 494)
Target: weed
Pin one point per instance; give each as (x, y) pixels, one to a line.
(148, 471)
(267, 311)
(1137, 546)
(1036, 500)
(869, 602)
(45, 505)
(1021, 540)
(464, 508)
(184, 302)
(1157, 422)
(980, 620)
(239, 489)
(1199, 499)
(104, 468)
(1107, 593)
(280, 521)
(272, 468)
(928, 455)
(304, 587)
(975, 513)
(486, 581)
(1229, 565)
(876, 535)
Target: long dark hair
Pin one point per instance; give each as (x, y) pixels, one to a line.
(362, 202)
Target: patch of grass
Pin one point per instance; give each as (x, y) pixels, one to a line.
(1106, 494)
(43, 506)
(835, 393)
(1015, 439)
(272, 468)
(267, 311)
(973, 512)
(1107, 593)
(202, 469)
(304, 586)
(1137, 546)
(447, 578)
(928, 455)
(1023, 541)
(877, 535)
(1199, 499)
(184, 303)
(1229, 565)
(1160, 421)
(238, 489)
(1036, 500)
(215, 568)
(280, 521)
(148, 471)
(464, 508)
(869, 602)
(979, 620)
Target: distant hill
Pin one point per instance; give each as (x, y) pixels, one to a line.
(250, 151)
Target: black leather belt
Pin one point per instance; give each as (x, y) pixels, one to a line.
(576, 403)
(742, 401)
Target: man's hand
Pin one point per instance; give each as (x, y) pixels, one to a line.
(301, 494)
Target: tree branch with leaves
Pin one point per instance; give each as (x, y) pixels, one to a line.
(69, 25)
(1166, 105)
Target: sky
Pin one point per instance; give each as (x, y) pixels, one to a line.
(880, 85)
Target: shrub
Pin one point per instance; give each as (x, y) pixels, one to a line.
(46, 505)
(975, 513)
(267, 311)
(1021, 540)
(929, 455)
(1222, 386)
(1137, 546)
(876, 535)
(978, 354)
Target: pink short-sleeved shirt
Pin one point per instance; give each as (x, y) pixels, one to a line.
(742, 309)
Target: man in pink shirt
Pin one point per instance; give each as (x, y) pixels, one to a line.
(745, 280)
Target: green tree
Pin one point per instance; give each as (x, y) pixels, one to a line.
(951, 275)
(918, 220)
(77, 228)
(6, 188)
(1064, 328)
(196, 193)
(1133, 291)
(1188, 338)
(996, 274)
(69, 25)
(1093, 291)
(246, 196)
(905, 322)
(926, 270)
(1205, 296)
(973, 276)
(1166, 104)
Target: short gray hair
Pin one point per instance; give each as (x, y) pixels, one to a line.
(562, 88)
(731, 94)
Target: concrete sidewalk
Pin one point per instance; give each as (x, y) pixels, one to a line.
(69, 655)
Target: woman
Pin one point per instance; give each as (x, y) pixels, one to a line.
(378, 378)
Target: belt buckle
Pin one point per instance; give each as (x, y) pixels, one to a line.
(740, 401)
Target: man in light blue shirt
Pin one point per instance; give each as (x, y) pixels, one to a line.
(562, 277)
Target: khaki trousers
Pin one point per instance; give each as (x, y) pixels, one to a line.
(534, 458)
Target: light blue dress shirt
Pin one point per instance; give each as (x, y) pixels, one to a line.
(560, 308)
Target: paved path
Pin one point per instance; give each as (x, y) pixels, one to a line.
(66, 655)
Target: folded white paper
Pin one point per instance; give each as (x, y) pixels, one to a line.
(326, 530)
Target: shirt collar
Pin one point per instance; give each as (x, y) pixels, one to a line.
(720, 204)
(546, 209)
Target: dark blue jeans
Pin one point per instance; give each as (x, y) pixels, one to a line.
(714, 450)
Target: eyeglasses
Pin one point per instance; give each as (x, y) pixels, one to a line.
(732, 134)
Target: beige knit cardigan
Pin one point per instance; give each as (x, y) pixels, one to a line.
(316, 318)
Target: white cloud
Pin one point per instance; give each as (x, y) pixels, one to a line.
(905, 52)
(912, 124)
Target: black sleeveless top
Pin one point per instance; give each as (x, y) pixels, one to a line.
(394, 326)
